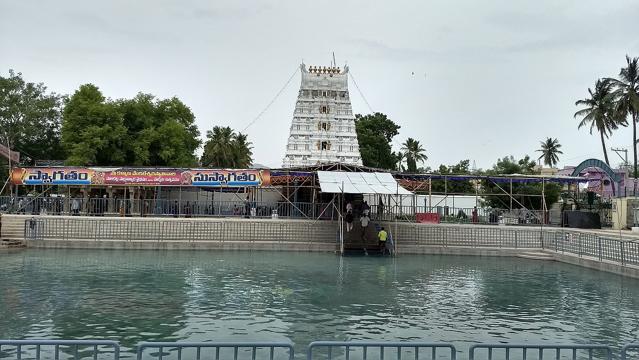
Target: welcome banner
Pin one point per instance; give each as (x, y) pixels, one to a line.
(140, 177)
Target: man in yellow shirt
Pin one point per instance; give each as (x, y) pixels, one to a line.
(382, 235)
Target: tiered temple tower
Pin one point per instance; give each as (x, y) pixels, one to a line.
(323, 128)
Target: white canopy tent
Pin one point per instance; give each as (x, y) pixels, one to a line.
(336, 182)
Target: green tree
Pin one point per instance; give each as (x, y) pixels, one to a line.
(414, 153)
(226, 149)
(93, 132)
(599, 112)
(454, 186)
(401, 157)
(550, 151)
(242, 151)
(627, 98)
(29, 118)
(159, 132)
(143, 131)
(375, 133)
(526, 193)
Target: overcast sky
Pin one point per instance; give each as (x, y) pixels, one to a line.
(491, 78)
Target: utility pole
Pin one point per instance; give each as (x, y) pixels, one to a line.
(9, 171)
(624, 158)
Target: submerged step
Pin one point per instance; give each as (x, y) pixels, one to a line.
(536, 256)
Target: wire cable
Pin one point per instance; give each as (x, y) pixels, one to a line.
(360, 91)
(273, 100)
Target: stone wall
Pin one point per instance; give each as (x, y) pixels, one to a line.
(598, 250)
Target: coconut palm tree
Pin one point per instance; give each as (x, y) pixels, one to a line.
(414, 153)
(401, 157)
(627, 98)
(218, 149)
(550, 151)
(599, 112)
(242, 151)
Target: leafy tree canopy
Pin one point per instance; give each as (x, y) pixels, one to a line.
(522, 191)
(142, 131)
(375, 132)
(93, 131)
(29, 118)
(159, 132)
(456, 186)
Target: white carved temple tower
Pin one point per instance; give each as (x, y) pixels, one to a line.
(323, 128)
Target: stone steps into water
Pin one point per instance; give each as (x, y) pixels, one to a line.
(11, 244)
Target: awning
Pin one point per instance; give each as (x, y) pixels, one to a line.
(359, 183)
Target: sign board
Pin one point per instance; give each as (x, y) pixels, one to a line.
(139, 177)
(427, 218)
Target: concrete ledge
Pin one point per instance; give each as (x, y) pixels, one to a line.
(463, 251)
(181, 245)
(592, 263)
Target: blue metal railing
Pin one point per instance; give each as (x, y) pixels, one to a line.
(216, 350)
(532, 351)
(630, 349)
(378, 350)
(52, 349)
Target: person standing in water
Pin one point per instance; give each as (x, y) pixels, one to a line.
(382, 236)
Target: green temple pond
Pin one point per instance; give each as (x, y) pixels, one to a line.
(132, 296)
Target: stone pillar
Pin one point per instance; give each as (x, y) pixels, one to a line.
(111, 201)
(66, 205)
(133, 198)
(85, 200)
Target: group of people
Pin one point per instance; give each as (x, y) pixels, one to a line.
(364, 219)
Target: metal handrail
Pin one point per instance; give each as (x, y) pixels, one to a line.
(529, 351)
(540, 348)
(198, 346)
(382, 345)
(76, 344)
(625, 349)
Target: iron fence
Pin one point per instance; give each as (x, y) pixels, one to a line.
(539, 352)
(215, 350)
(365, 350)
(619, 250)
(630, 352)
(263, 209)
(325, 350)
(165, 208)
(468, 215)
(603, 248)
(53, 349)
(182, 230)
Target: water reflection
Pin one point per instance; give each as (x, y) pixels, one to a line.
(133, 296)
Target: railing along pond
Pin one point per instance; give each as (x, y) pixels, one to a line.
(318, 350)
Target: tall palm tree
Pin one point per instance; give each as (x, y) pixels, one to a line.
(599, 112)
(227, 149)
(414, 153)
(550, 151)
(401, 157)
(627, 98)
(242, 151)
(218, 149)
